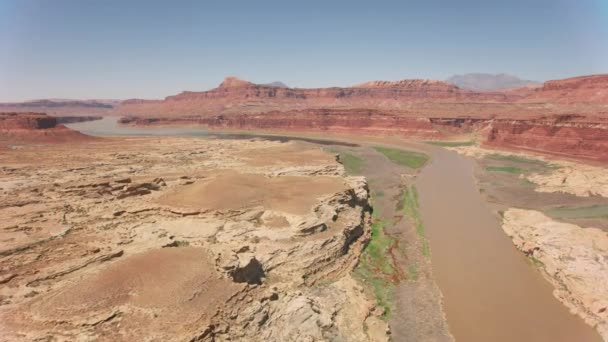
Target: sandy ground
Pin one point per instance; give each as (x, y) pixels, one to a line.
(182, 239)
(235, 191)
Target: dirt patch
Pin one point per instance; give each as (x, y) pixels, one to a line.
(235, 191)
(176, 286)
(287, 154)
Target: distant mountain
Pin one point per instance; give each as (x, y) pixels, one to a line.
(59, 107)
(489, 82)
(276, 84)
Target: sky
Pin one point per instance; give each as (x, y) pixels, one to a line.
(108, 49)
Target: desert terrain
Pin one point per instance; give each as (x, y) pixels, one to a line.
(182, 239)
(261, 212)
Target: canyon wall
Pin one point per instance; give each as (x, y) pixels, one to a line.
(563, 117)
(583, 140)
(567, 136)
(334, 120)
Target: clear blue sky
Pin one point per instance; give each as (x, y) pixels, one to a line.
(151, 49)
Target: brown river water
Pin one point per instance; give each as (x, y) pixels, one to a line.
(491, 292)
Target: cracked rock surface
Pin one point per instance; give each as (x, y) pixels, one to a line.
(182, 239)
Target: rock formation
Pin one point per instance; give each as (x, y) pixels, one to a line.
(182, 239)
(564, 117)
(35, 127)
(565, 136)
(583, 89)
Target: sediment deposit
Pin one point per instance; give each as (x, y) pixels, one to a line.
(182, 239)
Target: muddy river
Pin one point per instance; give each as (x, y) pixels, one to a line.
(491, 292)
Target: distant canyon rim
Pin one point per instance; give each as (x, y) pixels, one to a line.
(567, 118)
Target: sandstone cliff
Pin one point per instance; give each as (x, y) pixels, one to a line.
(238, 96)
(583, 89)
(561, 135)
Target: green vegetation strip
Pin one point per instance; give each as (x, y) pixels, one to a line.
(451, 143)
(414, 160)
(515, 164)
(514, 158)
(409, 206)
(376, 267)
(353, 164)
(507, 169)
(594, 211)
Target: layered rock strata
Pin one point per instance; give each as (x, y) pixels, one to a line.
(186, 239)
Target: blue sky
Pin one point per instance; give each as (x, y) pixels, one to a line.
(151, 49)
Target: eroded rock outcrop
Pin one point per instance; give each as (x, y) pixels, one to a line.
(184, 240)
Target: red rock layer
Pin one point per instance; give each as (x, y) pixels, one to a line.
(238, 96)
(334, 120)
(35, 127)
(583, 89)
(558, 137)
(564, 135)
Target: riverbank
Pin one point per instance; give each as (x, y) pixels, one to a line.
(545, 309)
(556, 213)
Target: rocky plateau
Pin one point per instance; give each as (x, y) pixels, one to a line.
(180, 239)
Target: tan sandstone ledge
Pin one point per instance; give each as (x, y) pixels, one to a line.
(182, 239)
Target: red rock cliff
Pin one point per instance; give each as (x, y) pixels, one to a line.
(557, 136)
(35, 127)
